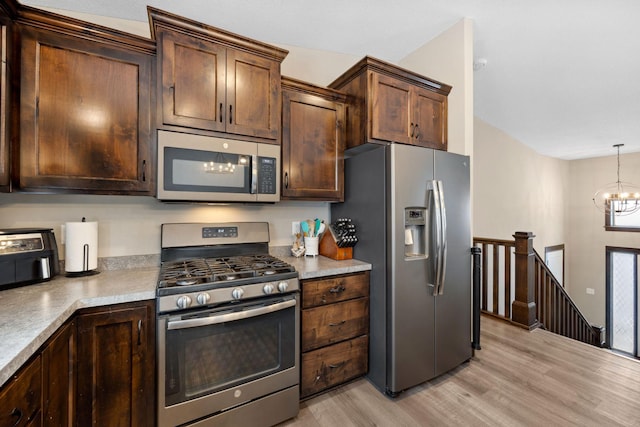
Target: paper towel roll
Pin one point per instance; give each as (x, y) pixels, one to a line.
(81, 247)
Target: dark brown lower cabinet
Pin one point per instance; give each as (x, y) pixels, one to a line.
(334, 331)
(58, 377)
(98, 369)
(115, 366)
(21, 397)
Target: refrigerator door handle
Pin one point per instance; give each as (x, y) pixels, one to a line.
(434, 203)
(442, 258)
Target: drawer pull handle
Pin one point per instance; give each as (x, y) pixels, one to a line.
(338, 324)
(337, 365)
(18, 414)
(337, 289)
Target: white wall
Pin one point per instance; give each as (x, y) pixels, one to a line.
(587, 236)
(448, 58)
(517, 189)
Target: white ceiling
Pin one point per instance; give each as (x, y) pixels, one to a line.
(562, 76)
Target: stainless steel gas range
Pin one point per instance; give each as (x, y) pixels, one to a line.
(228, 327)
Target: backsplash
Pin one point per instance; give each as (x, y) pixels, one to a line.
(130, 225)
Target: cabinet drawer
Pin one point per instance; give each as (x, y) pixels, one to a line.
(333, 365)
(20, 399)
(334, 289)
(334, 323)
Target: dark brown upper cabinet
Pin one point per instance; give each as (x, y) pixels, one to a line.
(7, 14)
(312, 142)
(212, 80)
(391, 104)
(85, 108)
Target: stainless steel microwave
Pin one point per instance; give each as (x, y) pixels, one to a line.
(209, 169)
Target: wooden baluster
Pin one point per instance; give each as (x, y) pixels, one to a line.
(485, 256)
(507, 281)
(496, 277)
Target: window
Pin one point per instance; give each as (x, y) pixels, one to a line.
(621, 222)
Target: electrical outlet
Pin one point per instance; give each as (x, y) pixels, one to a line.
(591, 291)
(295, 227)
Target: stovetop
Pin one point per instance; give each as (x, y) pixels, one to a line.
(222, 271)
(206, 264)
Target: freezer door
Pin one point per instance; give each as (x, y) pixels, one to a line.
(453, 304)
(410, 289)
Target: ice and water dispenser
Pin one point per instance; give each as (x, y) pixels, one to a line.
(415, 233)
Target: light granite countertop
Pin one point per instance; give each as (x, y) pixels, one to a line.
(30, 314)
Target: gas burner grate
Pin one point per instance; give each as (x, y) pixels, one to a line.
(222, 269)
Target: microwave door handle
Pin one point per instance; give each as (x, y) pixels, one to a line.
(229, 317)
(254, 173)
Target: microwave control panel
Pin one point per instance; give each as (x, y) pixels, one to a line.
(267, 175)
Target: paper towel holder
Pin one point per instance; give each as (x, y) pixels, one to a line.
(86, 257)
(85, 265)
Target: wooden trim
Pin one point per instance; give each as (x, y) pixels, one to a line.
(161, 18)
(382, 67)
(627, 229)
(39, 18)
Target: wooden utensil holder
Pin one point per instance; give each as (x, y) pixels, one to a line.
(330, 249)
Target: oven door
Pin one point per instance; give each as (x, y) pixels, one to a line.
(216, 359)
(210, 169)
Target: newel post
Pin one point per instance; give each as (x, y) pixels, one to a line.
(523, 308)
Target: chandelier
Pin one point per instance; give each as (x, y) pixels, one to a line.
(618, 198)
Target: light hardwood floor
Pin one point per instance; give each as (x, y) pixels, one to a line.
(518, 378)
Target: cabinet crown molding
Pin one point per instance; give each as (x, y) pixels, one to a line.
(377, 65)
(160, 18)
(66, 25)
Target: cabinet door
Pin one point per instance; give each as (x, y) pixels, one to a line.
(58, 378)
(333, 323)
(193, 82)
(21, 397)
(253, 96)
(312, 148)
(116, 368)
(4, 110)
(333, 365)
(430, 119)
(390, 106)
(84, 116)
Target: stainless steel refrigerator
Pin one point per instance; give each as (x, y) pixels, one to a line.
(411, 208)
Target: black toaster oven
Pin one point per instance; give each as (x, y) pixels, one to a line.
(27, 255)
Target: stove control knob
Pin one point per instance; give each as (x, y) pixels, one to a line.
(183, 302)
(237, 293)
(282, 286)
(268, 289)
(203, 298)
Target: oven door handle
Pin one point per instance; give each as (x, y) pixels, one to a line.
(229, 317)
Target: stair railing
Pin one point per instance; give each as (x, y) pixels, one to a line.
(518, 286)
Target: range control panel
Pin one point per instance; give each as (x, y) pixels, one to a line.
(213, 232)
